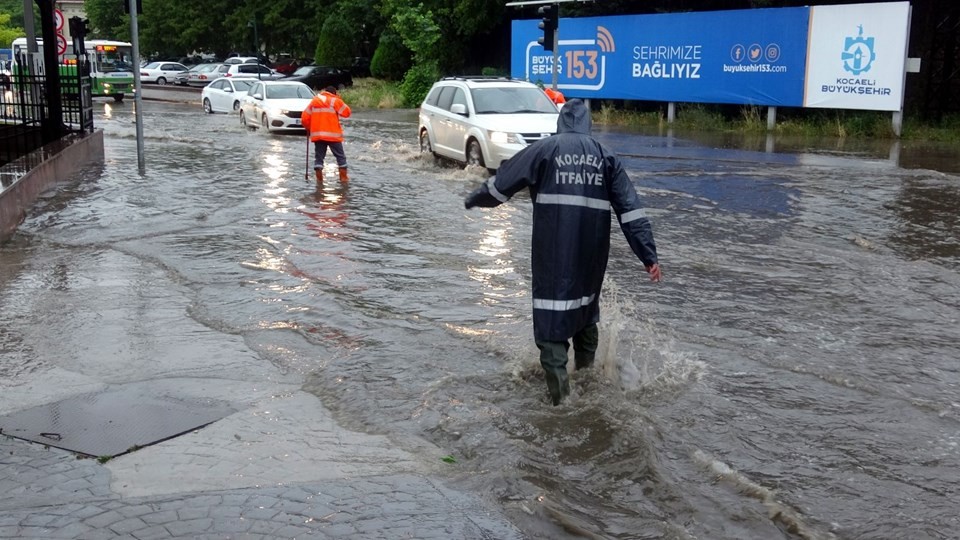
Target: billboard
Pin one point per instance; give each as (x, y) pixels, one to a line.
(857, 55)
(744, 56)
(849, 56)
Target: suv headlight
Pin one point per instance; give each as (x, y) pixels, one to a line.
(500, 137)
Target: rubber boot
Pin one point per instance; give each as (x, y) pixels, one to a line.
(585, 346)
(557, 384)
(553, 358)
(343, 175)
(319, 173)
(583, 360)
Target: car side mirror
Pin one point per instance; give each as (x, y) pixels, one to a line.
(228, 90)
(257, 96)
(459, 108)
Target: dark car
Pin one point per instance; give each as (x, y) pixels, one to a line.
(360, 66)
(320, 77)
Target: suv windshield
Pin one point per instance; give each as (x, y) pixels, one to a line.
(512, 101)
(289, 91)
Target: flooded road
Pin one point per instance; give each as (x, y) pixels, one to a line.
(794, 376)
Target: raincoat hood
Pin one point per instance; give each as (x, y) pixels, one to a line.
(574, 118)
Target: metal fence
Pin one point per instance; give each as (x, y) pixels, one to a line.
(25, 112)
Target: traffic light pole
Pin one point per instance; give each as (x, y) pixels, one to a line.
(556, 54)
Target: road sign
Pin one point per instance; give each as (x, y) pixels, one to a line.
(61, 44)
(58, 15)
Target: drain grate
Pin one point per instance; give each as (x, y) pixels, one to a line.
(111, 422)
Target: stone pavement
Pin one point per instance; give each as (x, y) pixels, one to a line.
(289, 472)
(279, 467)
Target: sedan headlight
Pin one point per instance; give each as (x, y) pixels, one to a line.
(500, 137)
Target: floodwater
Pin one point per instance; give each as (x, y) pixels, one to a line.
(794, 376)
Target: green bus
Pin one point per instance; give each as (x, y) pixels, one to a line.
(111, 64)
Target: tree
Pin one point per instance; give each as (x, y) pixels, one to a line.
(8, 33)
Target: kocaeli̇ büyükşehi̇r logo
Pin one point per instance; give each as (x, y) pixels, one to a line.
(858, 54)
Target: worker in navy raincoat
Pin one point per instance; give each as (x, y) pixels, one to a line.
(574, 183)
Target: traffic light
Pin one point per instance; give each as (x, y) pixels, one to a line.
(79, 28)
(126, 7)
(550, 15)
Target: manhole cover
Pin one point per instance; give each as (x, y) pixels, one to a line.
(111, 422)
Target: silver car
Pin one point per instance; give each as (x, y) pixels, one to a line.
(198, 75)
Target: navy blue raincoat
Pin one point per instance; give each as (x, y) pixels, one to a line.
(574, 183)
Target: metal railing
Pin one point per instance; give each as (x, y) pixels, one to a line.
(25, 115)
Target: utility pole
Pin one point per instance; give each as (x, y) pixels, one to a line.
(137, 99)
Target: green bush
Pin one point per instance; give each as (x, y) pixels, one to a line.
(493, 72)
(391, 60)
(417, 82)
(335, 46)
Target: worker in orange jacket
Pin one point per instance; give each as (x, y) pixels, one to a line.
(321, 119)
(555, 96)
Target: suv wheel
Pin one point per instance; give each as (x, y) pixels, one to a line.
(425, 146)
(474, 154)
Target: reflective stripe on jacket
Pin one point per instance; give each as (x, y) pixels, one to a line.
(322, 116)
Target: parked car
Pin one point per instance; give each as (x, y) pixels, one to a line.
(360, 66)
(320, 77)
(242, 60)
(199, 75)
(225, 94)
(161, 72)
(484, 121)
(285, 64)
(275, 105)
(257, 71)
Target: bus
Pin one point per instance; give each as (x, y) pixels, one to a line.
(111, 64)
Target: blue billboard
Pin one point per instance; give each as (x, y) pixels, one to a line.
(752, 56)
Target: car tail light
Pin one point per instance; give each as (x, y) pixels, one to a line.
(204, 77)
(229, 75)
(142, 74)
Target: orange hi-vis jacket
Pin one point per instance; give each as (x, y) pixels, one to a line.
(322, 116)
(555, 96)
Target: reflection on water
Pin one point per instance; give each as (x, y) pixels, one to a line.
(930, 221)
(909, 154)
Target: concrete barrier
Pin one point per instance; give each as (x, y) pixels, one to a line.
(23, 180)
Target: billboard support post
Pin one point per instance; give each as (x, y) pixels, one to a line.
(898, 115)
(771, 118)
(671, 112)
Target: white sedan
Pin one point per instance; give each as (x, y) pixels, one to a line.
(275, 105)
(161, 72)
(225, 94)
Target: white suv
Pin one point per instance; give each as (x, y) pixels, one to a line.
(255, 71)
(484, 121)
